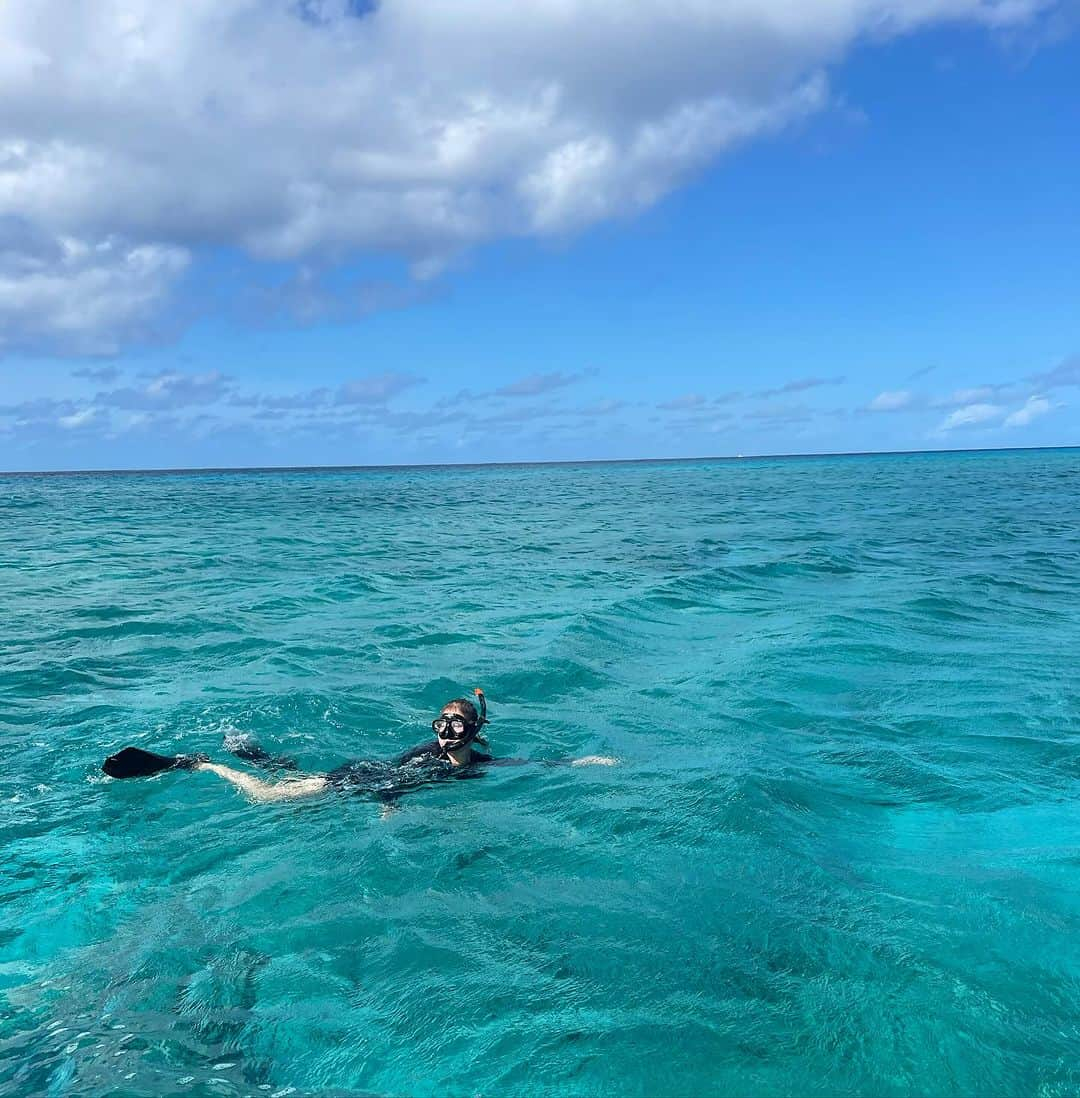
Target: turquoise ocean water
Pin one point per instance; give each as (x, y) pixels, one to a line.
(840, 854)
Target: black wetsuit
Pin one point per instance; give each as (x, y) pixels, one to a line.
(421, 765)
(431, 751)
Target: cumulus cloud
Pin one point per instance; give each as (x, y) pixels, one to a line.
(82, 297)
(181, 405)
(971, 415)
(1035, 407)
(892, 400)
(137, 133)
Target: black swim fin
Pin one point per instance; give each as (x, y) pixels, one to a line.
(134, 762)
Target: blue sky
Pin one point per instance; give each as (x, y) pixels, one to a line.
(700, 237)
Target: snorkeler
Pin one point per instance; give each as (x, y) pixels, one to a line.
(451, 754)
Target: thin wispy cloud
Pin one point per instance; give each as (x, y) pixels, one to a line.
(310, 297)
(518, 413)
(312, 398)
(683, 403)
(104, 375)
(168, 390)
(606, 407)
(799, 385)
(892, 400)
(537, 384)
(85, 417)
(462, 398)
(38, 409)
(977, 394)
(707, 422)
(1065, 373)
(376, 390)
(972, 415)
(779, 414)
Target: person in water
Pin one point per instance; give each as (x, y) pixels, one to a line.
(451, 754)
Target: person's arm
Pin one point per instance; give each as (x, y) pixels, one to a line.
(262, 791)
(585, 760)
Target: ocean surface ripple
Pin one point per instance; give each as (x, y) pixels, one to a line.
(840, 853)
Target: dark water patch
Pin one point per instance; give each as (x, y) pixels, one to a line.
(549, 680)
(226, 653)
(424, 640)
(347, 587)
(945, 608)
(53, 680)
(108, 613)
(135, 628)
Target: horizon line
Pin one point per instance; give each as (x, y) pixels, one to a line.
(208, 469)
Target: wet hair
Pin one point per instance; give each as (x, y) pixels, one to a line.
(471, 714)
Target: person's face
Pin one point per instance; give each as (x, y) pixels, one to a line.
(457, 728)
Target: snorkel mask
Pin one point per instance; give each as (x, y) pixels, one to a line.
(456, 731)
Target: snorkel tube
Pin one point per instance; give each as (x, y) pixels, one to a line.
(483, 716)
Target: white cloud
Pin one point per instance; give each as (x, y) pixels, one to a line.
(893, 400)
(1035, 407)
(971, 415)
(82, 418)
(136, 132)
(81, 298)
